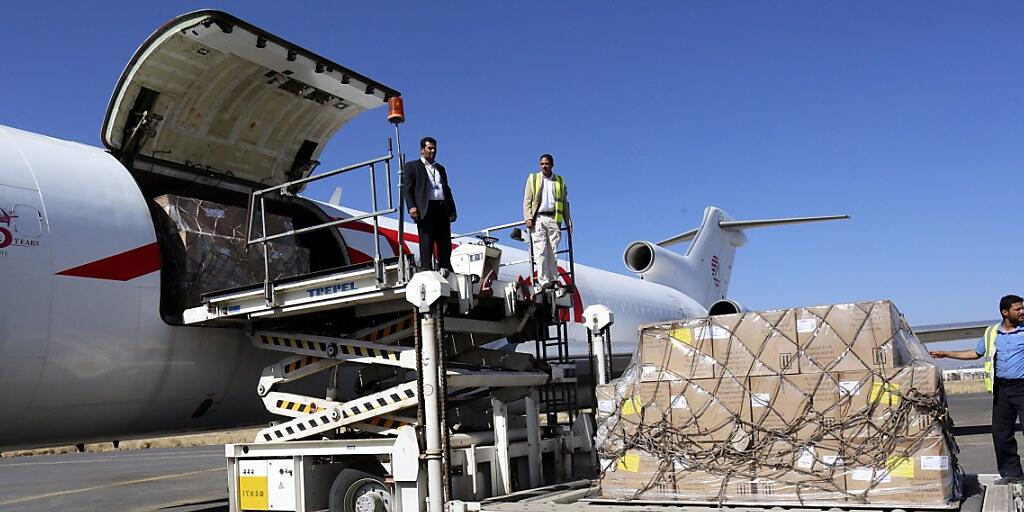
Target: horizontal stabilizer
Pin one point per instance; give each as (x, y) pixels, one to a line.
(736, 225)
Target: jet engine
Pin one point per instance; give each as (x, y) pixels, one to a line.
(657, 264)
(725, 307)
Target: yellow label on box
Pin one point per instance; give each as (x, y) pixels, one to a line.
(683, 335)
(900, 467)
(252, 493)
(630, 462)
(887, 394)
(631, 406)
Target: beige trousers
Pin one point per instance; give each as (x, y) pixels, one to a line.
(545, 235)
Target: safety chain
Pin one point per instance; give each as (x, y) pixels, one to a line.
(420, 413)
(442, 370)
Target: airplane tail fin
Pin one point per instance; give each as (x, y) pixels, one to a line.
(704, 271)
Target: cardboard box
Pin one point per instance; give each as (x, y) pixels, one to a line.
(204, 249)
(708, 410)
(756, 343)
(799, 404)
(801, 471)
(810, 405)
(641, 405)
(636, 475)
(674, 352)
(882, 398)
(916, 473)
(851, 337)
(766, 489)
(694, 484)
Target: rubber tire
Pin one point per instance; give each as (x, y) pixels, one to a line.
(347, 478)
(972, 503)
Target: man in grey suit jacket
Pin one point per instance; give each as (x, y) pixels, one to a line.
(431, 205)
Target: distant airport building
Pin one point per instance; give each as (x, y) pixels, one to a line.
(964, 374)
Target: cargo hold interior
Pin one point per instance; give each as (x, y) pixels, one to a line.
(200, 229)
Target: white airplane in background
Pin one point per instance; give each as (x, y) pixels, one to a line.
(211, 107)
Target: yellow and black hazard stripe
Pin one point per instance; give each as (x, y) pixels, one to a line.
(387, 423)
(384, 332)
(281, 341)
(352, 350)
(367, 404)
(297, 427)
(297, 406)
(301, 363)
(380, 400)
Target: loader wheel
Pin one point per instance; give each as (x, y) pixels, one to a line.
(355, 490)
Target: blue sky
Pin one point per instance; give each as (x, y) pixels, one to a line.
(907, 116)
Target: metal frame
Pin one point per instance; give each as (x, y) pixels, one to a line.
(283, 189)
(305, 355)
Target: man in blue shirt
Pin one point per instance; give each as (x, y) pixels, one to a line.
(1003, 350)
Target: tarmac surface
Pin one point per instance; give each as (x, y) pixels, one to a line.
(169, 480)
(193, 479)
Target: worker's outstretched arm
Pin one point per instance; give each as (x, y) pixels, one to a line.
(955, 354)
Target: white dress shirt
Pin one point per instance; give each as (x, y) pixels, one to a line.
(436, 188)
(547, 194)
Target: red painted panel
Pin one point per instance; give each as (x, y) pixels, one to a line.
(120, 267)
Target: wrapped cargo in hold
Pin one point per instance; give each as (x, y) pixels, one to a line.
(206, 248)
(836, 404)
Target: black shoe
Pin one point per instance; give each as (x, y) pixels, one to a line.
(1009, 480)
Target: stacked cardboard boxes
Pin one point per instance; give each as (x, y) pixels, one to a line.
(826, 404)
(205, 248)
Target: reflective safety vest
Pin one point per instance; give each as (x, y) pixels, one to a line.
(990, 355)
(537, 182)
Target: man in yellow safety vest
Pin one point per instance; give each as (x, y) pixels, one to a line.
(1003, 350)
(545, 207)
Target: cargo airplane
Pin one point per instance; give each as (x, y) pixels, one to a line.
(211, 107)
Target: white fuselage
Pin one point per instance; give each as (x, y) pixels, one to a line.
(85, 353)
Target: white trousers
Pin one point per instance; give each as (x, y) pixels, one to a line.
(545, 235)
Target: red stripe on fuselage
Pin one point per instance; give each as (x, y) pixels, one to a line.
(355, 256)
(391, 235)
(120, 267)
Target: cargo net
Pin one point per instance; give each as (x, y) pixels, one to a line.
(205, 249)
(836, 404)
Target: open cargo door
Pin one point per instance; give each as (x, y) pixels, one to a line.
(210, 93)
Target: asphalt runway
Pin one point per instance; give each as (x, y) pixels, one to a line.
(193, 479)
(169, 480)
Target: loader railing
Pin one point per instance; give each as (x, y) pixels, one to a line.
(258, 201)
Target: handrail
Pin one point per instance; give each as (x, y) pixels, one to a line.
(327, 174)
(282, 189)
(487, 231)
(529, 245)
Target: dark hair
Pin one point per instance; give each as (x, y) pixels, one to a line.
(1008, 301)
(549, 157)
(425, 140)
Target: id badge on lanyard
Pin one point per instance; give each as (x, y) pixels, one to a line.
(438, 190)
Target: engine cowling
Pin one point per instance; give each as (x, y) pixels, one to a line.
(725, 307)
(657, 264)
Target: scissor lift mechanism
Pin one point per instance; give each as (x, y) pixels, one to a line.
(302, 455)
(450, 299)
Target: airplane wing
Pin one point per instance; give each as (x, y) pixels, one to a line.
(950, 332)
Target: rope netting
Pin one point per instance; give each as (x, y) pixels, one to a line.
(833, 403)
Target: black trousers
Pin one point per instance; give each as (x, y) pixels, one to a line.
(1007, 407)
(435, 228)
